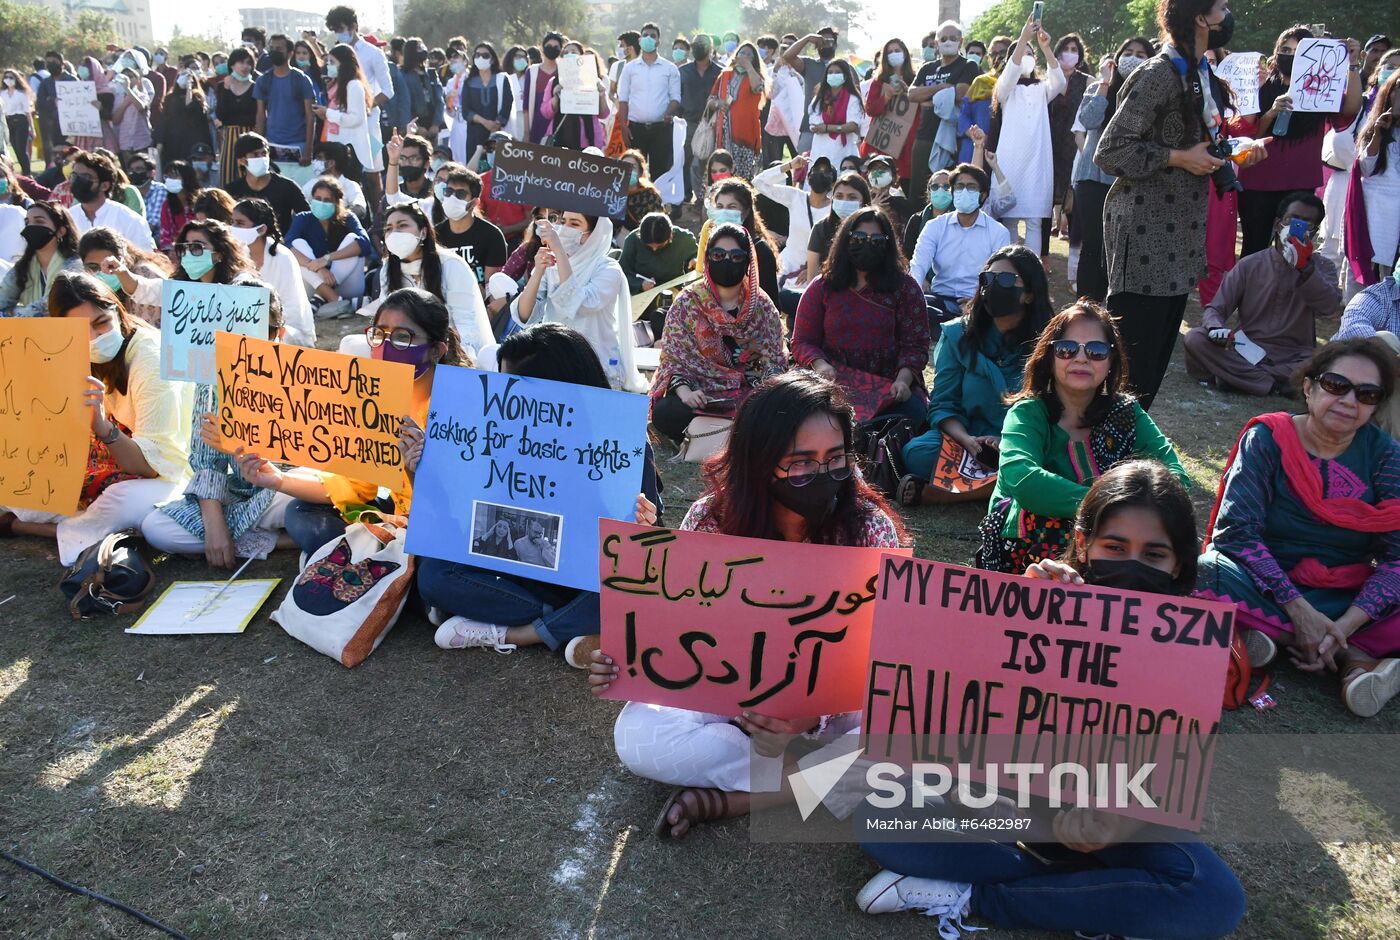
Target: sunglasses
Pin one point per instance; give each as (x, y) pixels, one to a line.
(1096, 350)
(875, 239)
(1003, 279)
(190, 248)
(720, 255)
(462, 194)
(1339, 385)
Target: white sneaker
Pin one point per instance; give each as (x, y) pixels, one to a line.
(458, 633)
(1261, 648)
(1367, 694)
(334, 309)
(949, 901)
(436, 617)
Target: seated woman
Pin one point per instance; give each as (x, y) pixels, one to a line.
(864, 323)
(656, 252)
(254, 223)
(415, 260)
(643, 198)
(787, 475)
(723, 337)
(1071, 421)
(979, 359)
(476, 608)
(1135, 529)
(732, 200)
(213, 203)
(410, 326)
(805, 208)
(136, 455)
(124, 268)
(851, 192)
(1305, 536)
(181, 191)
(575, 282)
(50, 246)
(938, 200)
(332, 249)
(221, 515)
(719, 166)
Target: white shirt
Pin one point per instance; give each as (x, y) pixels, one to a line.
(352, 126)
(15, 101)
(11, 221)
(648, 90)
(823, 145)
(801, 216)
(460, 292)
(354, 195)
(375, 67)
(115, 215)
(956, 255)
(284, 274)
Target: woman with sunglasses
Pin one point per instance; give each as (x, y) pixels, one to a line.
(1305, 534)
(979, 358)
(1071, 421)
(723, 336)
(786, 474)
(864, 322)
(208, 252)
(733, 200)
(410, 326)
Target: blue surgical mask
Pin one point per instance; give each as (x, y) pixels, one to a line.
(729, 46)
(835, 79)
(677, 55)
(322, 209)
(196, 266)
(440, 190)
(941, 199)
(974, 58)
(111, 280)
(844, 207)
(726, 216)
(967, 201)
(647, 44)
(1383, 76)
(930, 53)
(84, 73)
(344, 37)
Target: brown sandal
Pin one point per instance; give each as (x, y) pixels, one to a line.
(708, 805)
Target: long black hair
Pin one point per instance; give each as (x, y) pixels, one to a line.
(432, 264)
(552, 351)
(432, 317)
(234, 259)
(1116, 85)
(825, 94)
(978, 322)
(190, 189)
(260, 212)
(64, 233)
(1386, 100)
(839, 271)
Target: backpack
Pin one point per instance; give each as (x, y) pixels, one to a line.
(880, 444)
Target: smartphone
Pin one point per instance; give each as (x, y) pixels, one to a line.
(1038, 11)
(988, 456)
(1297, 228)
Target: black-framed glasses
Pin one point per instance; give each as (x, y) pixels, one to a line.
(1003, 279)
(195, 249)
(721, 255)
(1338, 385)
(874, 239)
(803, 471)
(1095, 349)
(940, 188)
(400, 337)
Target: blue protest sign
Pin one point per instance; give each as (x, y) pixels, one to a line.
(516, 472)
(191, 312)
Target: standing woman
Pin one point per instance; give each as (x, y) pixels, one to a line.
(136, 454)
(738, 95)
(576, 131)
(722, 338)
(348, 105)
(1378, 159)
(308, 58)
(254, 223)
(1295, 153)
(236, 112)
(1024, 148)
(18, 104)
(485, 105)
(837, 120)
(184, 118)
(514, 65)
(181, 190)
(50, 246)
(1154, 218)
(893, 79)
(131, 110)
(864, 323)
(1071, 58)
(805, 206)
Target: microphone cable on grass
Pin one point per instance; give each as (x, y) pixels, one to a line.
(79, 889)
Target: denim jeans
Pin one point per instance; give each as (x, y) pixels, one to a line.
(1163, 890)
(312, 525)
(558, 613)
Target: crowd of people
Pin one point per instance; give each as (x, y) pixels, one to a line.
(809, 297)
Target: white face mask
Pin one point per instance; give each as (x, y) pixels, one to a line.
(246, 235)
(1126, 64)
(844, 207)
(482, 62)
(402, 244)
(455, 208)
(106, 346)
(949, 47)
(174, 186)
(318, 167)
(569, 239)
(259, 166)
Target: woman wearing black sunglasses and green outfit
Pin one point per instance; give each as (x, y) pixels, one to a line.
(1071, 422)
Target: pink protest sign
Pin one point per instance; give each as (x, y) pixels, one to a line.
(974, 667)
(721, 624)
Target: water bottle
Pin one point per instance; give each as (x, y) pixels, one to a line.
(1281, 123)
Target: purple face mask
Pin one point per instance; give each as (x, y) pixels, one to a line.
(416, 356)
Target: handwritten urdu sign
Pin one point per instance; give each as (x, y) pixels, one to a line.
(44, 426)
(191, 313)
(724, 624)
(958, 656)
(313, 408)
(77, 115)
(555, 178)
(516, 472)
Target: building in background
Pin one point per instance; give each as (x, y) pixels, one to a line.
(277, 20)
(132, 18)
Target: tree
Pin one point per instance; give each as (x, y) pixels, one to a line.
(674, 17)
(776, 17)
(501, 22)
(89, 34)
(182, 44)
(26, 33)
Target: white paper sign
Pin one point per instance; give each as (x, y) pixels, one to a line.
(186, 608)
(578, 85)
(1251, 351)
(1320, 70)
(1240, 71)
(77, 115)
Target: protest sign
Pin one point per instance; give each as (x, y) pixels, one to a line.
(516, 472)
(960, 656)
(640, 302)
(313, 408)
(44, 426)
(77, 109)
(578, 85)
(1240, 70)
(1320, 71)
(889, 131)
(723, 624)
(192, 312)
(190, 607)
(555, 178)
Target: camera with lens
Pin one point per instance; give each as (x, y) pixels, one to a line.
(1224, 176)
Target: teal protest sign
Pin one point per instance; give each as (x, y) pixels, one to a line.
(191, 313)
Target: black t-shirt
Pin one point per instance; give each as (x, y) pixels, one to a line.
(823, 234)
(961, 72)
(285, 197)
(767, 270)
(482, 246)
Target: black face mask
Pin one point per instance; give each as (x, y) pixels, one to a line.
(1131, 575)
(1283, 62)
(1221, 33)
(727, 273)
(84, 188)
(827, 51)
(866, 257)
(138, 177)
(551, 52)
(410, 174)
(37, 236)
(821, 181)
(814, 502)
(277, 57)
(1001, 301)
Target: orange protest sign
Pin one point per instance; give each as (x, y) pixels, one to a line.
(44, 426)
(313, 408)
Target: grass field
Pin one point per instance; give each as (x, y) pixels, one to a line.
(248, 787)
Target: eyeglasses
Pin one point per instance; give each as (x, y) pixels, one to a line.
(874, 239)
(400, 337)
(191, 248)
(802, 472)
(463, 194)
(1339, 385)
(968, 188)
(1095, 349)
(940, 187)
(1003, 279)
(720, 255)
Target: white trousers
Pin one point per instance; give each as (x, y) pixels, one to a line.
(167, 535)
(349, 273)
(1032, 237)
(121, 506)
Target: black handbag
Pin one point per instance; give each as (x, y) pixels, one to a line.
(110, 577)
